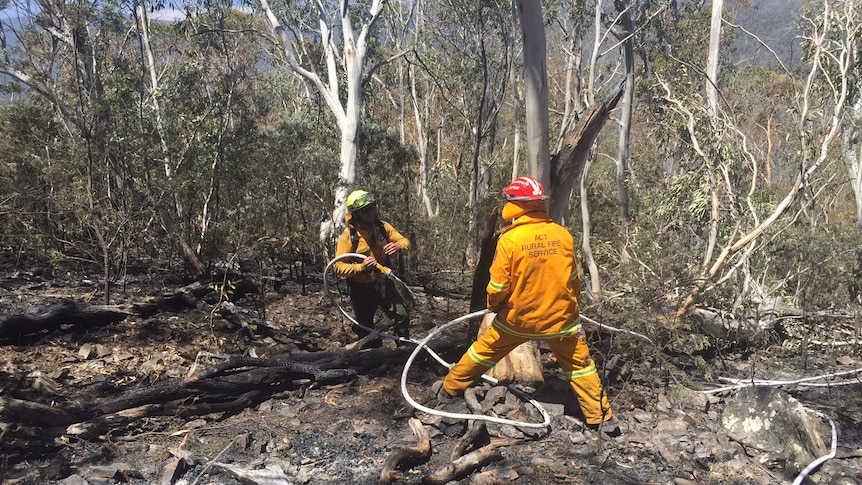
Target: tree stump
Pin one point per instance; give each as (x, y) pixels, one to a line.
(521, 366)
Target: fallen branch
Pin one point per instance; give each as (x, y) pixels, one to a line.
(213, 390)
(70, 312)
(477, 434)
(65, 312)
(19, 411)
(465, 465)
(406, 458)
(851, 377)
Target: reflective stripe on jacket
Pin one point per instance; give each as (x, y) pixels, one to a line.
(535, 283)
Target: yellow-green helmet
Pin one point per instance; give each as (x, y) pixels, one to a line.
(358, 200)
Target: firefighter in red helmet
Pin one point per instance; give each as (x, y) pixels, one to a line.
(534, 290)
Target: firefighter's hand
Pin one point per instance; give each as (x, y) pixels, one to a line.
(369, 263)
(391, 248)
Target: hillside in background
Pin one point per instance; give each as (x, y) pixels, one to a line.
(776, 24)
(10, 25)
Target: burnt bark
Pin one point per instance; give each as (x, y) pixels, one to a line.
(482, 275)
(70, 312)
(66, 312)
(20, 411)
(568, 164)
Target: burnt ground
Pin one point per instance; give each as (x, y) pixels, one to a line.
(341, 433)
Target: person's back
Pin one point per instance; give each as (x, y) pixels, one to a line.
(534, 289)
(536, 260)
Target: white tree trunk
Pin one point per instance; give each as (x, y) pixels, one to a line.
(515, 81)
(536, 89)
(712, 58)
(853, 153)
(190, 254)
(623, 146)
(421, 143)
(595, 286)
(347, 115)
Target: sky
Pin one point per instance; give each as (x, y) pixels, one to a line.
(166, 15)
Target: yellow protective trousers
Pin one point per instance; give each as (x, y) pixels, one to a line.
(573, 356)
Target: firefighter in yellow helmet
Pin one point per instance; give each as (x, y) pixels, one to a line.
(368, 235)
(534, 289)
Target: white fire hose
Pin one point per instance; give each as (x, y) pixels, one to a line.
(422, 344)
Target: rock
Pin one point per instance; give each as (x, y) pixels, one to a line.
(577, 438)
(641, 416)
(86, 351)
(74, 480)
(494, 477)
(770, 420)
(118, 471)
(675, 427)
(773, 461)
(173, 470)
(494, 395)
(271, 474)
(683, 481)
(554, 410)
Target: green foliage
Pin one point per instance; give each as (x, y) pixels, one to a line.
(686, 203)
(278, 186)
(38, 191)
(812, 266)
(258, 149)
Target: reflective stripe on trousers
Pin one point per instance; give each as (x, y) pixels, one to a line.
(573, 356)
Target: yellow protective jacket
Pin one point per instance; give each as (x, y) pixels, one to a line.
(535, 282)
(369, 243)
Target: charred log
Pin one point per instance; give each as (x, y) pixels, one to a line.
(65, 312)
(103, 424)
(19, 411)
(222, 383)
(70, 312)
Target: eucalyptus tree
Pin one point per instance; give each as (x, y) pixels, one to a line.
(624, 31)
(419, 93)
(459, 71)
(75, 57)
(69, 54)
(203, 75)
(730, 162)
(712, 57)
(163, 114)
(590, 87)
(536, 89)
(310, 35)
(559, 172)
(848, 63)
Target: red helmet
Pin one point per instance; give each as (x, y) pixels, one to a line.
(524, 188)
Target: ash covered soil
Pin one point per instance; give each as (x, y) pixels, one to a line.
(342, 432)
